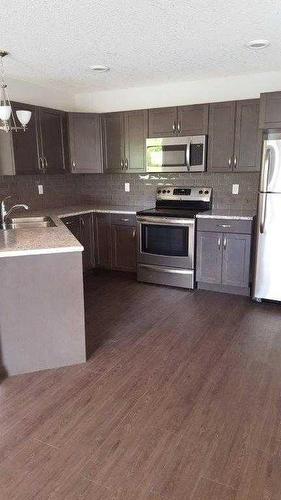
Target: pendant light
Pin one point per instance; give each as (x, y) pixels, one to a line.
(7, 117)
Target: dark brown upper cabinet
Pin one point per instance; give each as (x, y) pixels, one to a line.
(182, 120)
(233, 138)
(270, 110)
(51, 124)
(19, 151)
(85, 143)
(124, 137)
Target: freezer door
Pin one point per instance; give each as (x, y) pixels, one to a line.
(271, 164)
(267, 279)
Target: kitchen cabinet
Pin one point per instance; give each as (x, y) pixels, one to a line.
(234, 140)
(270, 110)
(223, 255)
(51, 140)
(102, 236)
(181, 120)
(42, 148)
(81, 227)
(123, 234)
(124, 137)
(85, 143)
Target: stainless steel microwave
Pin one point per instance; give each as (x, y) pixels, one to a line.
(176, 154)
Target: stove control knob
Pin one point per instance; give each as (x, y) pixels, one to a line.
(168, 191)
(206, 192)
(164, 191)
(159, 191)
(200, 192)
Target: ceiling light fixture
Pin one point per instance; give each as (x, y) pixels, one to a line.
(6, 112)
(99, 68)
(257, 44)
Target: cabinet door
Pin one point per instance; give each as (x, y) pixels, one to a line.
(221, 136)
(85, 142)
(113, 141)
(247, 143)
(209, 257)
(236, 260)
(135, 136)
(123, 247)
(270, 110)
(52, 140)
(86, 224)
(25, 144)
(102, 236)
(162, 122)
(193, 120)
(73, 224)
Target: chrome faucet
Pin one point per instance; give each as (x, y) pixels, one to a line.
(4, 213)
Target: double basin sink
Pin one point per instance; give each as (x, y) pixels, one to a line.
(29, 222)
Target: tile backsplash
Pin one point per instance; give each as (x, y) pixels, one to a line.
(61, 190)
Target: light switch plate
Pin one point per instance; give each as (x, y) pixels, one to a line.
(127, 187)
(40, 189)
(235, 188)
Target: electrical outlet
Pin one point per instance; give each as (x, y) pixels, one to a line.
(235, 188)
(127, 187)
(40, 189)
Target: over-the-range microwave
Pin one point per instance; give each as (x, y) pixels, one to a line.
(176, 154)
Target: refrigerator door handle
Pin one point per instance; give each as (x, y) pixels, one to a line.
(263, 215)
(265, 170)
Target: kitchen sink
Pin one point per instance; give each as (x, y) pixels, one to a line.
(30, 222)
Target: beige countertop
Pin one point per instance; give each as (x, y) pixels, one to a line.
(224, 213)
(58, 239)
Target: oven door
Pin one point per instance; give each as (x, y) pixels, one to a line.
(165, 241)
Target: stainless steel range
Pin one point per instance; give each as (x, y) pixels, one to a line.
(166, 236)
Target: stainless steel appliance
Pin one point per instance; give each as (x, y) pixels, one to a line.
(166, 236)
(267, 278)
(176, 154)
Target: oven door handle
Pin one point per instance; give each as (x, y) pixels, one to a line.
(166, 221)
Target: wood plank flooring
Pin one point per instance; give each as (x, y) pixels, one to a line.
(180, 399)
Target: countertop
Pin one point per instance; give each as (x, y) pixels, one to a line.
(226, 214)
(58, 239)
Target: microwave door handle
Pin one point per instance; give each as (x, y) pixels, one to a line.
(188, 155)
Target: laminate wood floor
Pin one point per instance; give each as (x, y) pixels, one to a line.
(180, 399)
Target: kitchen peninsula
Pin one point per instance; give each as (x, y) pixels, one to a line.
(41, 298)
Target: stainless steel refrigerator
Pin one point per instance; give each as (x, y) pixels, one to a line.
(267, 276)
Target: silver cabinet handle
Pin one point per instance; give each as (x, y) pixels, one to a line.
(125, 220)
(134, 233)
(122, 164)
(126, 164)
(219, 243)
(82, 221)
(224, 243)
(73, 164)
(223, 225)
(235, 161)
(174, 127)
(41, 163)
(179, 127)
(45, 162)
(229, 162)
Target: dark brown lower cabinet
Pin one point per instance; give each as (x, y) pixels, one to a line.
(102, 231)
(123, 247)
(81, 227)
(223, 260)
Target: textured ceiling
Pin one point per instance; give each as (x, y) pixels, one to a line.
(145, 42)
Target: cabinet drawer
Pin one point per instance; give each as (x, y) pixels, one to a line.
(123, 219)
(225, 225)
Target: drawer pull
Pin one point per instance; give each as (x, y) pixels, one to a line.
(125, 220)
(223, 225)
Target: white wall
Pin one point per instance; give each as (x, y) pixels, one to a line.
(189, 92)
(42, 96)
